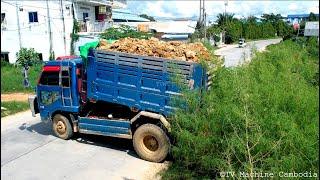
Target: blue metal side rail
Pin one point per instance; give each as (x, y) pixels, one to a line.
(139, 82)
(106, 127)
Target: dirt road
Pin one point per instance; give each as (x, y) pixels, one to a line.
(30, 151)
(15, 97)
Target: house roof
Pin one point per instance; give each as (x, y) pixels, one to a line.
(299, 15)
(126, 15)
(174, 27)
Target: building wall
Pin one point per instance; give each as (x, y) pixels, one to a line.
(84, 8)
(36, 35)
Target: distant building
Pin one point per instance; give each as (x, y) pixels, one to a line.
(297, 18)
(311, 29)
(40, 20)
(126, 16)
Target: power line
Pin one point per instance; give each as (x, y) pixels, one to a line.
(31, 6)
(25, 27)
(32, 10)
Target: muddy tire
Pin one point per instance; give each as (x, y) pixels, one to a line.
(151, 143)
(62, 127)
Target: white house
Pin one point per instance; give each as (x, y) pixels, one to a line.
(47, 25)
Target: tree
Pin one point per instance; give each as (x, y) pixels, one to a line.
(284, 30)
(233, 31)
(272, 18)
(27, 57)
(313, 17)
(252, 19)
(147, 17)
(267, 30)
(223, 19)
(213, 30)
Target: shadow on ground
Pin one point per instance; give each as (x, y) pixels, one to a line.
(96, 140)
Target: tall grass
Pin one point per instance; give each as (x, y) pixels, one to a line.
(12, 107)
(260, 117)
(12, 78)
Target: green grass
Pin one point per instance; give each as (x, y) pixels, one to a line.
(260, 117)
(13, 107)
(12, 78)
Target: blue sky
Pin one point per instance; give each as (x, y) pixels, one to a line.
(180, 8)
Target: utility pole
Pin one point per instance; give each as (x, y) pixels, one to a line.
(18, 23)
(225, 19)
(205, 26)
(200, 16)
(203, 11)
(49, 28)
(64, 28)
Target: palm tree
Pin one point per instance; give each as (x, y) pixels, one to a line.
(223, 19)
(252, 19)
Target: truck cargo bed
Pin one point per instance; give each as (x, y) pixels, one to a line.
(139, 82)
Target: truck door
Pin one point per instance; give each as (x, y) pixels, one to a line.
(49, 91)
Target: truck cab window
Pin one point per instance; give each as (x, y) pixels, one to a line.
(50, 78)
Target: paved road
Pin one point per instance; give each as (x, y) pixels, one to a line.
(30, 151)
(234, 55)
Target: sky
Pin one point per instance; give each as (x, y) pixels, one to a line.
(241, 8)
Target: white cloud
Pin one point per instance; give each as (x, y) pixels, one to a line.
(155, 8)
(314, 9)
(187, 8)
(239, 8)
(293, 7)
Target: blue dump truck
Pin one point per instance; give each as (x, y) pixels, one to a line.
(115, 94)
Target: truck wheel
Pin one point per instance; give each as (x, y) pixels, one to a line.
(62, 127)
(151, 143)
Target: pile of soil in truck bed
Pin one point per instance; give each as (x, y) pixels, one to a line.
(156, 48)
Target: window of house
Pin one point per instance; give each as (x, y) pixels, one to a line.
(50, 78)
(3, 16)
(85, 16)
(40, 56)
(33, 17)
(5, 56)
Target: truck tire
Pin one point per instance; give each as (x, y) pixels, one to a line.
(62, 127)
(151, 143)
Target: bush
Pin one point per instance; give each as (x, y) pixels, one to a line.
(122, 32)
(216, 38)
(5, 63)
(261, 117)
(27, 57)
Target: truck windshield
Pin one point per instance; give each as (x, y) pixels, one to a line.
(50, 78)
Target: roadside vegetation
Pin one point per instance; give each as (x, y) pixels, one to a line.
(123, 31)
(12, 78)
(251, 28)
(258, 117)
(12, 107)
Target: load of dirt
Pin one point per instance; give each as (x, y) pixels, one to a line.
(154, 47)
